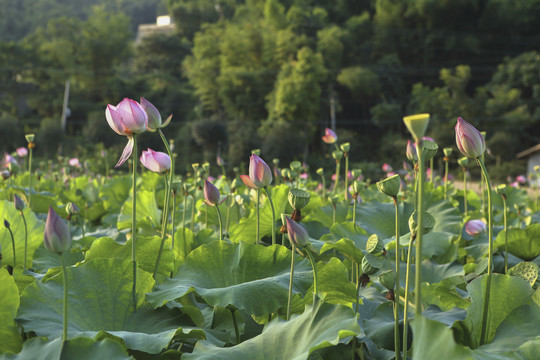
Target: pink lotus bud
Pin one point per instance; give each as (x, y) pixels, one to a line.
(411, 151)
(154, 117)
(514, 184)
(475, 227)
(56, 237)
(304, 176)
(260, 174)
(19, 204)
(521, 179)
(330, 137)
(211, 194)
(8, 159)
(156, 161)
(297, 233)
(74, 162)
(386, 168)
(127, 118)
(22, 151)
(469, 141)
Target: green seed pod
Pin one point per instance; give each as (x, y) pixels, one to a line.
(388, 279)
(286, 173)
(295, 165)
(447, 151)
(371, 264)
(320, 171)
(256, 152)
(429, 149)
(390, 186)
(501, 190)
(337, 154)
(374, 245)
(30, 137)
(417, 125)
(356, 173)
(195, 167)
(463, 162)
(345, 147)
(334, 199)
(428, 223)
(358, 186)
(206, 166)
(528, 271)
(298, 198)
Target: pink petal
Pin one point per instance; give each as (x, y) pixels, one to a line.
(247, 181)
(127, 152)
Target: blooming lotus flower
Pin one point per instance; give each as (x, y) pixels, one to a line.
(154, 117)
(56, 237)
(297, 233)
(212, 197)
(8, 159)
(469, 141)
(330, 136)
(304, 176)
(514, 184)
(475, 227)
(127, 118)
(22, 151)
(155, 161)
(521, 179)
(74, 162)
(260, 174)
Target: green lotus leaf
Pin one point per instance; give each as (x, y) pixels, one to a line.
(11, 340)
(522, 243)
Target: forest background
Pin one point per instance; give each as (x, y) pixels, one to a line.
(246, 74)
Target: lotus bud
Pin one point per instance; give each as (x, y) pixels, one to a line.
(475, 227)
(219, 161)
(256, 152)
(429, 150)
(295, 165)
(417, 125)
(72, 209)
(6, 224)
(19, 204)
(337, 154)
(345, 147)
(156, 161)
(320, 171)
(447, 151)
(463, 162)
(30, 138)
(154, 117)
(211, 194)
(469, 141)
(411, 151)
(260, 174)
(390, 186)
(428, 222)
(21, 151)
(330, 136)
(297, 233)
(298, 198)
(57, 238)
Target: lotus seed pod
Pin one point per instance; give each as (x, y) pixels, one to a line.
(337, 154)
(30, 137)
(345, 147)
(502, 190)
(358, 186)
(463, 162)
(428, 223)
(429, 150)
(528, 271)
(195, 167)
(334, 199)
(371, 264)
(295, 165)
(447, 151)
(18, 202)
(417, 125)
(356, 173)
(374, 245)
(320, 171)
(298, 198)
(390, 186)
(256, 152)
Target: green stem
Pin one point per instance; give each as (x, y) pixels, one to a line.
(227, 219)
(346, 175)
(485, 329)
(25, 239)
(465, 190)
(445, 178)
(173, 218)
(338, 166)
(258, 204)
(163, 228)
(398, 288)
(13, 245)
(29, 176)
(431, 170)
(406, 301)
(192, 213)
(505, 235)
(334, 215)
(315, 282)
(418, 263)
(273, 216)
(357, 268)
(289, 300)
(219, 220)
(134, 222)
(65, 303)
(354, 213)
(323, 186)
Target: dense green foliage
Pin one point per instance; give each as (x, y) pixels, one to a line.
(267, 73)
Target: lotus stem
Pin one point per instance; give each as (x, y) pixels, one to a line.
(12, 244)
(465, 190)
(397, 286)
(25, 239)
(219, 220)
(418, 263)
(289, 300)
(273, 215)
(338, 166)
(346, 155)
(30, 146)
(314, 266)
(258, 205)
(65, 302)
(406, 300)
(134, 222)
(505, 235)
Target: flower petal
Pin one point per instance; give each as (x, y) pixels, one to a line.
(126, 153)
(247, 181)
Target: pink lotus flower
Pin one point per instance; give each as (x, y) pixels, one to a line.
(56, 237)
(514, 184)
(8, 159)
(154, 117)
(219, 161)
(297, 233)
(74, 162)
(304, 176)
(22, 151)
(260, 174)
(386, 168)
(211, 194)
(127, 118)
(475, 227)
(156, 161)
(330, 136)
(521, 179)
(390, 173)
(469, 141)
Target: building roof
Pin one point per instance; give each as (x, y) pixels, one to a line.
(528, 152)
